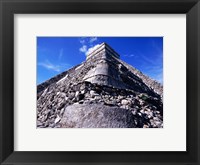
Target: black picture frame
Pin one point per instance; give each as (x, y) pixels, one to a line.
(10, 7)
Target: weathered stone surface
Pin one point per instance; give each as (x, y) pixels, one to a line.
(96, 116)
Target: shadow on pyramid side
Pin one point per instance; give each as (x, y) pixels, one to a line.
(101, 92)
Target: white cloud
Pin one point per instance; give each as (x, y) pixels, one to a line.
(83, 49)
(82, 41)
(92, 39)
(87, 42)
(57, 68)
(129, 55)
(92, 49)
(49, 66)
(61, 53)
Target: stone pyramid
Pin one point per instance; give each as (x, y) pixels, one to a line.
(101, 92)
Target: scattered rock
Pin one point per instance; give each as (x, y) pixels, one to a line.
(57, 119)
(124, 102)
(71, 95)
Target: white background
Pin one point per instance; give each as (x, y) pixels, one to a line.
(170, 138)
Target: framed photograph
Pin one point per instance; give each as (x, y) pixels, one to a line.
(101, 91)
(99, 82)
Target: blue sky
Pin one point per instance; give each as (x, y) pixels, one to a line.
(57, 54)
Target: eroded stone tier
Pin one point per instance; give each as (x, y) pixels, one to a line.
(104, 72)
(105, 49)
(108, 71)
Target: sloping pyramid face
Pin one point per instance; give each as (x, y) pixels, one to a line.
(102, 92)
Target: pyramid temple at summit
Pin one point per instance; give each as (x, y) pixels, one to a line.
(101, 92)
